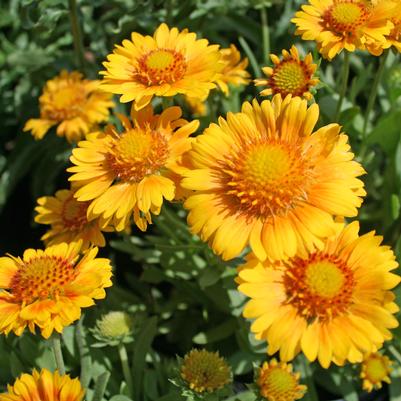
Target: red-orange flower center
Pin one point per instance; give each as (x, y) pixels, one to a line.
(66, 103)
(320, 287)
(267, 178)
(345, 17)
(161, 66)
(137, 153)
(42, 277)
(290, 77)
(73, 213)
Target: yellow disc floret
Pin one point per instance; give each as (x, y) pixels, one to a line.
(205, 371)
(375, 369)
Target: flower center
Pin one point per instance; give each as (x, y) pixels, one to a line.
(290, 77)
(320, 287)
(73, 213)
(162, 66)
(277, 383)
(345, 17)
(267, 178)
(138, 153)
(42, 277)
(376, 370)
(66, 103)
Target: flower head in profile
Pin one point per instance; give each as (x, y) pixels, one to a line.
(264, 178)
(345, 24)
(289, 76)
(45, 386)
(128, 175)
(205, 371)
(67, 219)
(114, 328)
(234, 69)
(375, 370)
(166, 64)
(47, 288)
(72, 103)
(334, 305)
(277, 382)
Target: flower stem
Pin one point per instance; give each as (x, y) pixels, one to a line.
(251, 56)
(58, 355)
(86, 360)
(344, 83)
(371, 102)
(76, 34)
(126, 368)
(265, 34)
(396, 354)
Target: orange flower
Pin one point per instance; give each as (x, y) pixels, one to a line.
(47, 288)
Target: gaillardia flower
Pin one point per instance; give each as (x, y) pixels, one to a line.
(68, 221)
(344, 24)
(44, 386)
(128, 175)
(47, 288)
(277, 382)
(334, 304)
(375, 369)
(289, 76)
(263, 178)
(205, 371)
(72, 103)
(234, 69)
(166, 64)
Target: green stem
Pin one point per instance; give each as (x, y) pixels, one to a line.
(396, 354)
(126, 369)
(265, 34)
(86, 360)
(344, 83)
(76, 34)
(251, 56)
(58, 354)
(371, 101)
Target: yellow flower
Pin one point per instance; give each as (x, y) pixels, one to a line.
(344, 24)
(68, 220)
(168, 63)
(334, 304)
(44, 386)
(263, 178)
(277, 382)
(290, 76)
(234, 69)
(72, 103)
(129, 174)
(375, 369)
(394, 37)
(205, 371)
(47, 288)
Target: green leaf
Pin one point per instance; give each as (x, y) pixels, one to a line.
(16, 365)
(395, 385)
(142, 346)
(217, 333)
(120, 397)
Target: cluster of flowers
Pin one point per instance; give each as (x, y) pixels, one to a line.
(262, 180)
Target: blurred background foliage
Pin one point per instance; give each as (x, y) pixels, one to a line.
(178, 292)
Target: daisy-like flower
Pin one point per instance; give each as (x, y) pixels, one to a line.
(263, 178)
(205, 371)
(334, 304)
(168, 63)
(128, 175)
(72, 103)
(394, 37)
(45, 386)
(289, 76)
(234, 69)
(67, 219)
(277, 382)
(47, 288)
(344, 24)
(375, 369)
